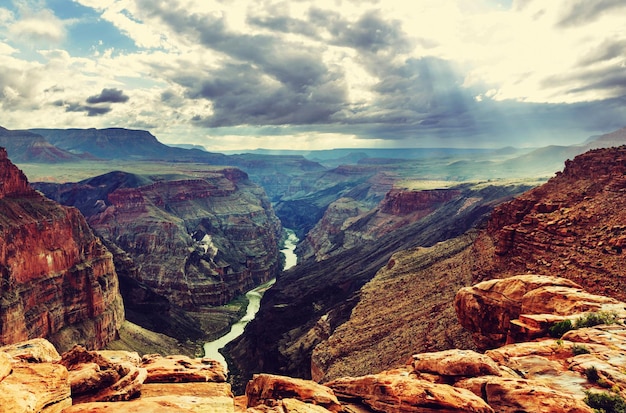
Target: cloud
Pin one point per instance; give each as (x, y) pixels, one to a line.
(78, 107)
(583, 11)
(108, 95)
(385, 72)
(38, 27)
(254, 98)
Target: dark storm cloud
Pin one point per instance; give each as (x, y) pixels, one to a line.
(108, 96)
(583, 11)
(611, 79)
(268, 81)
(370, 33)
(90, 110)
(242, 95)
(78, 107)
(607, 80)
(96, 105)
(285, 24)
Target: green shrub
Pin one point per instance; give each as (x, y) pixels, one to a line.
(592, 374)
(580, 349)
(594, 319)
(560, 328)
(605, 402)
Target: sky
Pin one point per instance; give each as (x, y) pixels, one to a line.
(300, 74)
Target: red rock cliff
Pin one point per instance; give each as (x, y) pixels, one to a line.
(197, 241)
(58, 280)
(347, 223)
(572, 226)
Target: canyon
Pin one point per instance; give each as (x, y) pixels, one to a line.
(183, 243)
(355, 324)
(309, 302)
(391, 279)
(58, 279)
(196, 240)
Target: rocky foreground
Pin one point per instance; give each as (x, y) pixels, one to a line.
(555, 360)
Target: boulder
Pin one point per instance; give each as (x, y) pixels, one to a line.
(35, 388)
(37, 350)
(490, 309)
(455, 363)
(178, 368)
(265, 388)
(510, 395)
(6, 365)
(94, 377)
(608, 335)
(398, 392)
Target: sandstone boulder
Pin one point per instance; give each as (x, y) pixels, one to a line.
(178, 368)
(510, 395)
(263, 389)
(6, 365)
(96, 378)
(35, 388)
(455, 363)
(398, 392)
(613, 336)
(37, 350)
(490, 309)
(566, 300)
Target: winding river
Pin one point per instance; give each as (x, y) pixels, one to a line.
(211, 349)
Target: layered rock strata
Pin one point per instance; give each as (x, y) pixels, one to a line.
(195, 241)
(523, 307)
(309, 303)
(572, 226)
(58, 280)
(348, 223)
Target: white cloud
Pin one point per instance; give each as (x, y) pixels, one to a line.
(38, 27)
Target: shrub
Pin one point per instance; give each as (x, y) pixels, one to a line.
(560, 328)
(605, 402)
(592, 374)
(594, 319)
(579, 349)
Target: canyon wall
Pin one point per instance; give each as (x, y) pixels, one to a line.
(58, 280)
(348, 222)
(572, 226)
(194, 240)
(309, 303)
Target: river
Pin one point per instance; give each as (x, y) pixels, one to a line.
(211, 349)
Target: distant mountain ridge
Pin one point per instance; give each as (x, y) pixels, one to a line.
(121, 143)
(25, 146)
